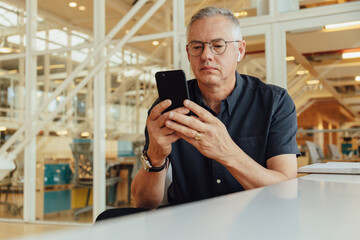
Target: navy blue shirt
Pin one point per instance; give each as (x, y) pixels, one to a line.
(260, 118)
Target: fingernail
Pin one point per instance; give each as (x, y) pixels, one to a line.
(171, 114)
(168, 123)
(186, 102)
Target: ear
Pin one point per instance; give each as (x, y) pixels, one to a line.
(242, 46)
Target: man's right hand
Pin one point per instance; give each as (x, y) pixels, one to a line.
(161, 137)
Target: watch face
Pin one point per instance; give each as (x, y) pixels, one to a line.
(146, 164)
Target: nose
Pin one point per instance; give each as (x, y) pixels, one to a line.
(207, 53)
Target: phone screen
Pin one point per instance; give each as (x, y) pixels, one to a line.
(172, 85)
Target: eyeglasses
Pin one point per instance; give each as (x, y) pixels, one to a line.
(217, 47)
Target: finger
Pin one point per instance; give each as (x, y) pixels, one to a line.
(189, 121)
(190, 140)
(182, 110)
(173, 138)
(181, 129)
(166, 136)
(159, 122)
(158, 109)
(202, 113)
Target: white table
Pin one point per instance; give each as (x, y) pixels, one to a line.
(317, 206)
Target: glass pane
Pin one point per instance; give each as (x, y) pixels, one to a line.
(322, 83)
(254, 63)
(131, 90)
(11, 117)
(65, 145)
(12, 23)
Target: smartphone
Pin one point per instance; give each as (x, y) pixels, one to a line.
(172, 85)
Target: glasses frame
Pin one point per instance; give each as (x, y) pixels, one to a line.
(210, 46)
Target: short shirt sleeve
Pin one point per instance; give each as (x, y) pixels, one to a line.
(283, 128)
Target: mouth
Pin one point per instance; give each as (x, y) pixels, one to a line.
(207, 68)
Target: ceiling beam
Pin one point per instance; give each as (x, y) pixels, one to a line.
(352, 95)
(337, 62)
(307, 65)
(344, 83)
(122, 8)
(43, 26)
(298, 85)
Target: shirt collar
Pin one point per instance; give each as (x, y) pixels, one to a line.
(230, 101)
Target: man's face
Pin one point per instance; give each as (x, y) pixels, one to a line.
(208, 67)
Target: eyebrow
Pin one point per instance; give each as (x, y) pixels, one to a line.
(197, 41)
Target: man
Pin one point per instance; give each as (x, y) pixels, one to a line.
(240, 133)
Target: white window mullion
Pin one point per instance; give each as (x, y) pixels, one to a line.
(30, 107)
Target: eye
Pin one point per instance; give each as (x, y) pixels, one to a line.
(218, 43)
(218, 46)
(197, 47)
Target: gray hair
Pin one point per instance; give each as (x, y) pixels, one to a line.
(213, 11)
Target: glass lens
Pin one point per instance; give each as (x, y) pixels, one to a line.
(195, 48)
(218, 46)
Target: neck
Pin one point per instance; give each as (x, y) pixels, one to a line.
(214, 94)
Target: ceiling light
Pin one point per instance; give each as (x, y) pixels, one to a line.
(5, 50)
(57, 66)
(313, 82)
(2, 129)
(82, 8)
(240, 14)
(290, 58)
(72, 4)
(85, 134)
(343, 25)
(155, 43)
(302, 72)
(347, 55)
(4, 46)
(357, 78)
(58, 81)
(62, 132)
(12, 71)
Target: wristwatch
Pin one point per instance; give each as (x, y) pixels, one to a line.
(145, 160)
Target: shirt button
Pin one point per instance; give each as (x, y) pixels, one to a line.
(218, 180)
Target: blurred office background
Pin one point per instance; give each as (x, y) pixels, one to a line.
(77, 79)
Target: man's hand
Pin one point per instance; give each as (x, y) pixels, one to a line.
(205, 132)
(161, 137)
